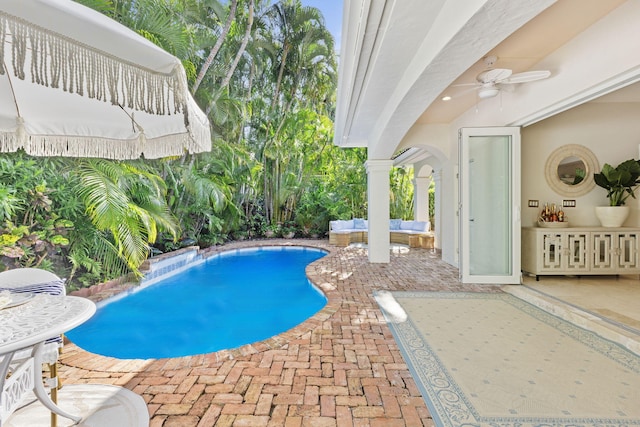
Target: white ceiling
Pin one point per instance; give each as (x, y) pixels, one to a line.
(396, 65)
(523, 49)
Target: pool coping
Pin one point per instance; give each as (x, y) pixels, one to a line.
(110, 289)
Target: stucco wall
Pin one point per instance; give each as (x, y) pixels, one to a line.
(610, 130)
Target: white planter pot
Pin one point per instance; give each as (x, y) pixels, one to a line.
(612, 216)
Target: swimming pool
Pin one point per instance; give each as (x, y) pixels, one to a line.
(231, 299)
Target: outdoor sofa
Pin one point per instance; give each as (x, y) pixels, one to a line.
(415, 234)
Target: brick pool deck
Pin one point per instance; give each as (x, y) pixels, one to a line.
(342, 367)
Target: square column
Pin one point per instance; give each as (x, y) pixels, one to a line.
(421, 198)
(436, 227)
(378, 188)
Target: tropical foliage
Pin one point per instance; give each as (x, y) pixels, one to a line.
(266, 73)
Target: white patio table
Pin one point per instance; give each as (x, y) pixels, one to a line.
(29, 325)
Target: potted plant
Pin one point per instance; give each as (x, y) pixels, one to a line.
(270, 230)
(621, 183)
(289, 230)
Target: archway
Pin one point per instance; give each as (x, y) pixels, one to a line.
(427, 164)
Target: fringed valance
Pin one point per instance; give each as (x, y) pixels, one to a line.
(57, 61)
(44, 58)
(116, 149)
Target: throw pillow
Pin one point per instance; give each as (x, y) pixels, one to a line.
(359, 224)
(420, 226)
(347, 224)
(406, 225)
(394, 224)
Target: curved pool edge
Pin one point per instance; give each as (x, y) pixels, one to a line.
(79, 358)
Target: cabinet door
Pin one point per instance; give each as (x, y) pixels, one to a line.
(626, 250)
(604, 254)
(576, 251)
(551, 245)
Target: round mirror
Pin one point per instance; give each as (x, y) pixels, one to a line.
(569, 170)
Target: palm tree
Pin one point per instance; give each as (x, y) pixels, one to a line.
(305, 47)
(268, 73)
(216, 47)
(297, 28)
(239, 53)
(127, 203)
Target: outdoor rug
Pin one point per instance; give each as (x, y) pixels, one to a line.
(491, 359)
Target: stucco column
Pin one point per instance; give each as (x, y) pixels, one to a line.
(421, 198)
(437, 226)
(378, 209)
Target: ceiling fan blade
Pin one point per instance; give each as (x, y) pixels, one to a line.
(463, 92)
(494, 75)
(506, 88)
(527, 76)
(467, 84)
(487, 90)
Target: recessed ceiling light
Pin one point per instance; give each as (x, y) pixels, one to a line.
(446, 98)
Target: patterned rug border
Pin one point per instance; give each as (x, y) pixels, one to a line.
(446, 400)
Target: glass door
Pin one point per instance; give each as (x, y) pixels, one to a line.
(490, 205)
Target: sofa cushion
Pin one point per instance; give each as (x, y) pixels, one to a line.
(394, 224)
(399, 232)
(359, 224)
(342, 231)
(406, 225)
(340, 224)
(420, 226)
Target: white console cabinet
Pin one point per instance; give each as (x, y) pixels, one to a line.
(580, 250)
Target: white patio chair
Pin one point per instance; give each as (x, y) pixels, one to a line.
(35, 280)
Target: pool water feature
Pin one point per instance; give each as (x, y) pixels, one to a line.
(229, 300)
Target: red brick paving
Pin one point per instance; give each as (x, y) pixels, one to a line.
(340, 368)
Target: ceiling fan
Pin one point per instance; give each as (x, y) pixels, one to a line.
(492, 80)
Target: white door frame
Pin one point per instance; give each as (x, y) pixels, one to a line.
(513, 276)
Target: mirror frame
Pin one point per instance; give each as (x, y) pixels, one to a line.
(561, 153)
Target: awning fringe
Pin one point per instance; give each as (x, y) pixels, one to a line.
(57, 61)
(116, 149)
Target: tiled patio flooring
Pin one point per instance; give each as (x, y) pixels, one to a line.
(340, 368)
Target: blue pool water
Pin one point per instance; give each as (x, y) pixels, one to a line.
(235, 298)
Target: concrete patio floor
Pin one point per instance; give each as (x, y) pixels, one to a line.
(340, 368)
